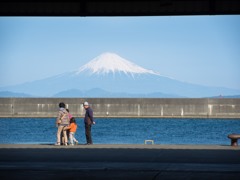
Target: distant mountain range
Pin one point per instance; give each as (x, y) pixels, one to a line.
(96, 93)
(13, 94)
(110, 75)
(102, 93)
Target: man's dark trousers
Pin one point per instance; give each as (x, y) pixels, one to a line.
(88, 133)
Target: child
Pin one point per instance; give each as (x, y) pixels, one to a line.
(72, 128)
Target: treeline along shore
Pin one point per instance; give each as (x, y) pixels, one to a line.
(124, 107)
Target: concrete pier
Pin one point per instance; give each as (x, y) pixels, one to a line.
(119, 162)
(124, 107)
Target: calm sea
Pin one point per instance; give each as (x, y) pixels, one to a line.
(123, 131)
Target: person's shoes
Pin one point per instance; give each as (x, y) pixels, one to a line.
(88, 144)
(71, 144)
(76, 142)
(57, 144)
(66, 144)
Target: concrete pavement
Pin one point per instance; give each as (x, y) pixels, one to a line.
(119, 161)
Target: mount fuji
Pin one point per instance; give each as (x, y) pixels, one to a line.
(110, 63)
(109, 75)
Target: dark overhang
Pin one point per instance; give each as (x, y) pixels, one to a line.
(118, 7)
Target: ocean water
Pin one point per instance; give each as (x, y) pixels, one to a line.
(123, 131)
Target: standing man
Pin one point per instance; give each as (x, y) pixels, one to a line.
(88, 121)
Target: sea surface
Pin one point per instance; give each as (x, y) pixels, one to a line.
(123, 131)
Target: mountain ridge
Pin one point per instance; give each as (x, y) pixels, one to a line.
(121, 77)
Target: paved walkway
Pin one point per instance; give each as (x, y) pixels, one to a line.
(119, 162)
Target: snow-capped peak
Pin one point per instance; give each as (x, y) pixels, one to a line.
(112, 63)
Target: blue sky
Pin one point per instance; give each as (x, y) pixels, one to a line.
(197, 49)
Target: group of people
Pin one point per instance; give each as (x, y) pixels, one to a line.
(67, 125)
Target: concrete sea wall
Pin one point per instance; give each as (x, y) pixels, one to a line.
(124, 107)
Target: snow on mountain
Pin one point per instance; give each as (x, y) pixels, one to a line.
(112, 63)
(116, 77)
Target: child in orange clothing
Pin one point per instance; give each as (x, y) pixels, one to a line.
(72, 128)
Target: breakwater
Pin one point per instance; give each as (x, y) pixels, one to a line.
(124, 107)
